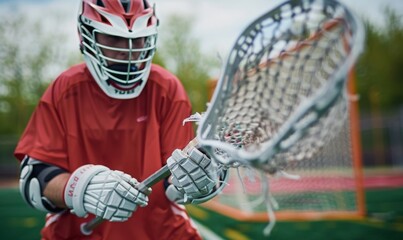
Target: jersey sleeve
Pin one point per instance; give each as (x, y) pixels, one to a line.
(43, 138)
(173, 133)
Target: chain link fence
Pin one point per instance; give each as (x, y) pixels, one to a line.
(382, 139)
(8, 164)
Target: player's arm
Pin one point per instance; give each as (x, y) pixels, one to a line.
(54, 190)
(90, 189)
(195, 177)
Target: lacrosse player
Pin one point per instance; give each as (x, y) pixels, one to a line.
(103, 126)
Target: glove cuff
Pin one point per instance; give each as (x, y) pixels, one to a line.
(76, 185)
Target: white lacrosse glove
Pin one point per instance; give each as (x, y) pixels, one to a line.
(195, 178)
(106, 193)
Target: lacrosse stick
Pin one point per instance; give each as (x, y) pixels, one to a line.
(282, 94)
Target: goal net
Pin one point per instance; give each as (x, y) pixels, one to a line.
(327, 186)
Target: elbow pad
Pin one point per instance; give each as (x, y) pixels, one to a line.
(34, 177)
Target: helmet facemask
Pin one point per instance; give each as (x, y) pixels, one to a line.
(118, 58)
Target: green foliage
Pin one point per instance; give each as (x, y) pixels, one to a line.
(184, 58)
(380, 68)
(25, 57)
(159, 60)
(20, 79)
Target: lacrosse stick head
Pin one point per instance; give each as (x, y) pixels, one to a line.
(282, 93)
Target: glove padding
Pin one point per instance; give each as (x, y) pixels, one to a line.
(106, 193)
(194, 177)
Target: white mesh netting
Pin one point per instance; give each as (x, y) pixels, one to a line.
(281, 104)
(282, 95)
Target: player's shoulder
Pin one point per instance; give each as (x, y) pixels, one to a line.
(68, 80)
(166, 81)
(75, 74)
(162, 76)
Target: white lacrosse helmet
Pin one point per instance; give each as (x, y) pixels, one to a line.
(118, 40)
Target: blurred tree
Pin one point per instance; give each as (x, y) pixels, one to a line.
(158, 59)
(27, 57)
(183, 56)
(30, 58)
(380, 68)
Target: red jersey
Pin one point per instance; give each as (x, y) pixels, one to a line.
(76, 123)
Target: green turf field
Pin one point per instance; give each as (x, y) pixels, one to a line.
(384, 221)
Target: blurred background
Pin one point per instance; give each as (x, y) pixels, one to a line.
(38, 40)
